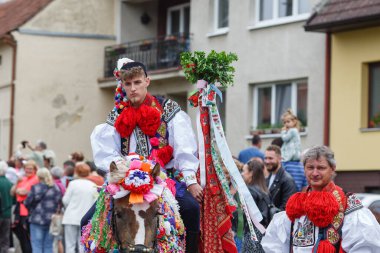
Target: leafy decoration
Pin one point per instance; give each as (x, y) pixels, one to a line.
(214, 67)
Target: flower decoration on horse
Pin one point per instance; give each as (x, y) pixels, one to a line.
(135, 184)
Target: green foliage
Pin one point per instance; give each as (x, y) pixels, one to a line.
(215, 67)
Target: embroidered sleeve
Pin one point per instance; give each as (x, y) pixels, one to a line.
(111, 118)
(171, 108)
(353, 204)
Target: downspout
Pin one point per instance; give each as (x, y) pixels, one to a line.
(326, 134)
(9, 40)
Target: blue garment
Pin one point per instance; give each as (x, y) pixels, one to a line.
(41, 239)
(295, 169)
(42, 202)
(247, 154)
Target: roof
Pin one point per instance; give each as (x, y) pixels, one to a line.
(15, 13)
(341, 15)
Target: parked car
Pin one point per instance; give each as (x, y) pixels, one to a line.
(372, 202)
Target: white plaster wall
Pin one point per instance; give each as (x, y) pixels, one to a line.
(132, 29)
(57, 95)
(274, 53)
(73, 16)
(5, 98)
(175, 86)
(6, 64)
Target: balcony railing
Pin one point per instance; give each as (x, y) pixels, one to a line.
(157, 54)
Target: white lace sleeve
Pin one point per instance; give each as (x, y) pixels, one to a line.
(361, 232)
(106, 145)
(277, 235)
(183, 141)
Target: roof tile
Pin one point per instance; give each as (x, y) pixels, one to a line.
(15, 13)
(338, 11)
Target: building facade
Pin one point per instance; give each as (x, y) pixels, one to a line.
(279, 66)
(353, 29)
(58, 59)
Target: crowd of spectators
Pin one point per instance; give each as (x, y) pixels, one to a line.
(34, 188)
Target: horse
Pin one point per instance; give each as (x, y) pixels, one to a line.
(153, 224)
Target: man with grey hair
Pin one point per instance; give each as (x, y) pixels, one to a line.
(6, 201)
(324, 218)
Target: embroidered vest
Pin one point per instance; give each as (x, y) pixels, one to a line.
(304, 235)
(170, 109)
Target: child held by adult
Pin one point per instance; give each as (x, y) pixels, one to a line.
(291, 149)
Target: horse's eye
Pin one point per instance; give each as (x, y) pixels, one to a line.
(118, 215)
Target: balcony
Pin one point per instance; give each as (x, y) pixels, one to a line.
(161, 53)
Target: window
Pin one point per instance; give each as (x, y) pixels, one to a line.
(374, 95)
(276, 11)
(272, 100)
(178, 21)
(221, 14)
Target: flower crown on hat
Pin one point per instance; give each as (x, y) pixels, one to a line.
(120, 95)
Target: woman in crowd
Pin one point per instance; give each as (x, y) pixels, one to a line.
(253, 175)
(42, 202)
(21, 190)
(79, 197)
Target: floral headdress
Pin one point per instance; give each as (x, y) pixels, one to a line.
(120, 94)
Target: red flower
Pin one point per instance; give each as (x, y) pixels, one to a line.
(194, 99)
(165, 154)
(150, 120)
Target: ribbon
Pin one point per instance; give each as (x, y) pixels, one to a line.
(207, 92)
(201, 153)
(206, 95)
(237, 180)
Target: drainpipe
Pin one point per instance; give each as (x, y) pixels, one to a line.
(9, 40)
(326, 133)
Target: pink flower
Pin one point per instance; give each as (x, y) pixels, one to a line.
(154, 141)
(113, 189)
(135, 165)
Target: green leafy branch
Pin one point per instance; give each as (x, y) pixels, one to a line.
(215, 67)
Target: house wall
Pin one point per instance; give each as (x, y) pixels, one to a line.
(59, 60)
(5, 98)
(354, 149)
(131, 27)
(275, 53)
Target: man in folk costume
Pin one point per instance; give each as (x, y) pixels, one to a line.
(323, 219)
(155, 128)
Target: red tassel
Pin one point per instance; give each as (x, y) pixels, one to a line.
(325, 246)
(295, 205)
(321, 207)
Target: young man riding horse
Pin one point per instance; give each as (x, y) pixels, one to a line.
(148, 125)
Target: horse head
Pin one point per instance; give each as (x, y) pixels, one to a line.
(134, 224)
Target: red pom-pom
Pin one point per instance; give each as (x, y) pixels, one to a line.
(325, 246)
(321, 207)
(165, 154)
(150, 120)
(295, 206)
(126, 122)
